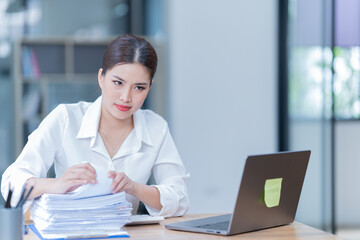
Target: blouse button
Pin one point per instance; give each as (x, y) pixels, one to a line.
(111, 166)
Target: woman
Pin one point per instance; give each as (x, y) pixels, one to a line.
(113, 134)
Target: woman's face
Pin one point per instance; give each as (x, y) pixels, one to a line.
(124, 89)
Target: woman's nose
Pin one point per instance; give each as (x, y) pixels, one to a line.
(126, 95)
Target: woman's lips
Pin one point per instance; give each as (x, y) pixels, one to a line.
(123, 108)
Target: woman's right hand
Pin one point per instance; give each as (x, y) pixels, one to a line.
(74, 177)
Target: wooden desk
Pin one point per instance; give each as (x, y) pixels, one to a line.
(294, 231)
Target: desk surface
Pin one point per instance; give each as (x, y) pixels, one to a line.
(294, 231)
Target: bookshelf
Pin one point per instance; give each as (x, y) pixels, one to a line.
(50, 71)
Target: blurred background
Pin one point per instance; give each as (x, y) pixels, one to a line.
(235, 78)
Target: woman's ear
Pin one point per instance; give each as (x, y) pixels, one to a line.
(100, 78)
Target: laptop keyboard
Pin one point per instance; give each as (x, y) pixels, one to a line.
(216, 226)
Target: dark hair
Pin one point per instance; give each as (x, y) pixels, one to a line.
(130, 49)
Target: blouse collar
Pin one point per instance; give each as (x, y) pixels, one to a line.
(90, 123)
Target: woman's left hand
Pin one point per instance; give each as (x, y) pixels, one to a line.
(121, 182)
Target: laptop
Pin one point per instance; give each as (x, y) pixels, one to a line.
(268, 196)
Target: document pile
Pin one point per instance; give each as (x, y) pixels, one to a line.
(90, 210)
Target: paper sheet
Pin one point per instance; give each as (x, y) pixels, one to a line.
(91, 207)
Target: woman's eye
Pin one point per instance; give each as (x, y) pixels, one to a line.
(139, 88)
(118, 83)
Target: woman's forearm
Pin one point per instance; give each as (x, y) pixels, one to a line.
(40, 186)
(147, 194)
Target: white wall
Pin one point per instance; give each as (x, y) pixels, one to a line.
(347, 152)
(222, 92)
(308, 135)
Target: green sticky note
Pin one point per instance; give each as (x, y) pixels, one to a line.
(272, 192)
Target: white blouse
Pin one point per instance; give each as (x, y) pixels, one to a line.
(69, 135)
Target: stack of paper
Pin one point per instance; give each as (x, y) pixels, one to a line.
(90, 209)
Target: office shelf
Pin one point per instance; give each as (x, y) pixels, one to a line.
(50, 71)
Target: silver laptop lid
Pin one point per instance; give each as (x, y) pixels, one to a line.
(270, 190)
